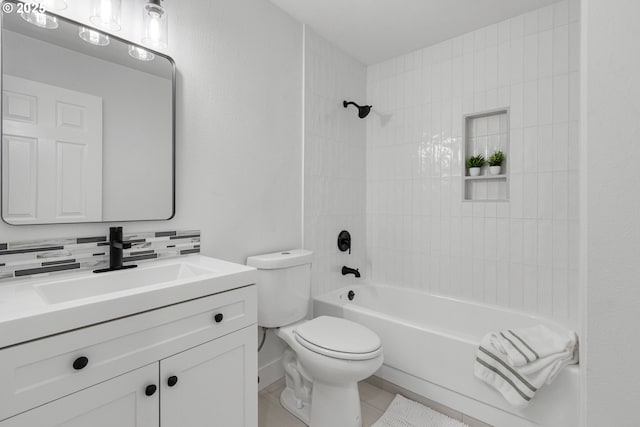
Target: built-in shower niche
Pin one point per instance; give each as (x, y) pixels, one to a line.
(485, 133)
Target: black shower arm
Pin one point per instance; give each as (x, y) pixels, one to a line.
(345, 104)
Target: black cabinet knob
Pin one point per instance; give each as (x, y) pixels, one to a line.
(218, 317)
(150, 390)
(80, 363)
(172, 380)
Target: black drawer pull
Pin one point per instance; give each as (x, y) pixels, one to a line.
(150, 390)
(218, 317)
(172, 380)
(80, 363)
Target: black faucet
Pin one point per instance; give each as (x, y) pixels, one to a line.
(116, 246)
(347, 270)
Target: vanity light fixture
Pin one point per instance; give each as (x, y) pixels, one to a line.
(106, 14)
(140, 53)
(155, 25)
(93, 36)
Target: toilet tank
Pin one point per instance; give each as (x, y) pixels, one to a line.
(284, 286)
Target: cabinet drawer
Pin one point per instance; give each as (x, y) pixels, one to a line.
(40, 371)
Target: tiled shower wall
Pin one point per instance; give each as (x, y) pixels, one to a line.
(522, 253)
(334, 172)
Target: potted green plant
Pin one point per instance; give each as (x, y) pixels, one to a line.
(495, 162)
(474, 164)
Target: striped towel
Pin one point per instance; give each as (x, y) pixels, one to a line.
(523, 346)
(519, 384)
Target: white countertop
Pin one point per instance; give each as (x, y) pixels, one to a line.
(25, 315)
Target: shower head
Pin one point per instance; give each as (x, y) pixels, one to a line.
(362, 111)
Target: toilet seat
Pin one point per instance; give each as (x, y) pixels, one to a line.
(338, 338)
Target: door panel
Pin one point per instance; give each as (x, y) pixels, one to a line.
(217, 384)
(120, 402)
(67, 129)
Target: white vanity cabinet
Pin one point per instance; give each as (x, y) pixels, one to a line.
(188, 364)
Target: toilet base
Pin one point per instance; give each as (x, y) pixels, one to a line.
(335, 405)
(290, 403)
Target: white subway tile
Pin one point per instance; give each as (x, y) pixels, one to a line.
(530, 102)
(504, 31)
(530, 66)
(531, 22)
(517, 254)
(545, 18)
(530, 288)
(545, 54)
(545, 148)
(530, 195)
(560, 147)
(545, 195)
(561, 13)
(561, 50)
(545, 101)
(517, 27)
(530, 149)
(517, 61)
(561, 98)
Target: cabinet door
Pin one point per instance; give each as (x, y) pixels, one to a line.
(121, 402)
(217, 384)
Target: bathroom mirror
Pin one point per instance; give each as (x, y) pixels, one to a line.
(87, 124)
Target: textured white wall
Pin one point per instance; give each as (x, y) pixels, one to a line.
(334, 162)
(522, 254)
(612, 238)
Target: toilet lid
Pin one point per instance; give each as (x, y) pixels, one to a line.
(339, 338)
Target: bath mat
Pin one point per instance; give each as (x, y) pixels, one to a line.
(403, 412)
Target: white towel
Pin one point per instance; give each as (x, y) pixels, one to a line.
(519, 384)
(524, 346)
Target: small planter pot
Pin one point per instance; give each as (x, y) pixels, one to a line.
(474, 171)
(495, 170)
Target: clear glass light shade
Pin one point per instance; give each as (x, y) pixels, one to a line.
(93, 37)
(156, 29)
(140, 53)
(40, 19)
(106, 14)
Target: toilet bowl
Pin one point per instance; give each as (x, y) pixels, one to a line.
(328, 355)
(335, 353)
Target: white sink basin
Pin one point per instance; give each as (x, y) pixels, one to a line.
(115, 281)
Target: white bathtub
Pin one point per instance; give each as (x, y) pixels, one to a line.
(430, 344)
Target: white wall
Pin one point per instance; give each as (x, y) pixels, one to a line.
(522, 254)
(136, 122)
(612, 232)
(334, 162)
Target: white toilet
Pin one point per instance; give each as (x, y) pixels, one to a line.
(328, 356)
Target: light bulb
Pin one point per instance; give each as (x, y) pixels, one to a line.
(106, 14)
(140, 53)
(93, 37)
(40, 19)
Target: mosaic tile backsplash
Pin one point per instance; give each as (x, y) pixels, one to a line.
(30, 258)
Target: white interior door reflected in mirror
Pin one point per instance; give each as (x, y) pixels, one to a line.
(52, 154)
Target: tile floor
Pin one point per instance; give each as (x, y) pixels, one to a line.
(374, 401)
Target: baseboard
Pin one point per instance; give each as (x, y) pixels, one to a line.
(270, 373)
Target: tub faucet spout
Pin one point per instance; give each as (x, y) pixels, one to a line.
(347, 270)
